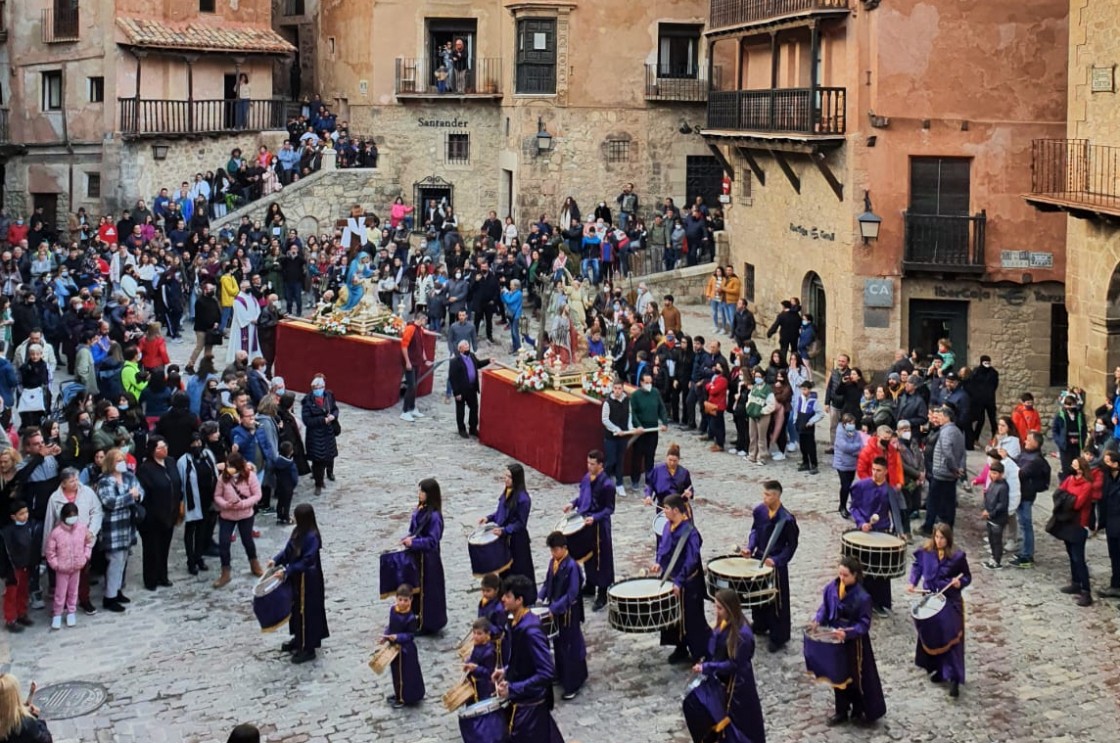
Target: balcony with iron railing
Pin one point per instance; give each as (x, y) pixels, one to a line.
(417, 78)
(143, 117)
(61, 24)
(944, 243)
(806, 112)
(1076, 177)
(680, 86)
(731, 15)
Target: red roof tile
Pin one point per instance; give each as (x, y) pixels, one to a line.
(200, 36)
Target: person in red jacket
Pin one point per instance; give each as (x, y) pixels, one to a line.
(716, 405)
(17, 231)
(1026, 418)
(153, 348)
(1084, 486)
(882, 444)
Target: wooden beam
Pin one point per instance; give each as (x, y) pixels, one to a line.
(821, 161)
(794, 181)
(759, 173)
(718, 153)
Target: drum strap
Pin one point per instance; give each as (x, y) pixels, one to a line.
(676, 554)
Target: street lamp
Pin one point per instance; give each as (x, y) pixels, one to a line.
(544, 139)
(159, 151)
(869, 221)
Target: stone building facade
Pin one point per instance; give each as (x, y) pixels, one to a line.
(1080, 176)
(845, 100)
(618, 87)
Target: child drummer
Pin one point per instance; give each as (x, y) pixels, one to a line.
(408, 681)
(490, 608)
(482, 661)
(561, 593)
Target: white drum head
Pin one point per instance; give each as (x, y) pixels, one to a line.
(874, 539)
(570, 524)
(640, 588)
(483, 535)
(738, 567)
(930, 608)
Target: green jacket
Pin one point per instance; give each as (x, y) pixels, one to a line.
(647, 409)
(132, 385)
(657, 236)
(758, 400)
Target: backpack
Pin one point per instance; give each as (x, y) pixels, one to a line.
(109, 382)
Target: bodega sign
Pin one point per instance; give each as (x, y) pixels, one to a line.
(443, 123)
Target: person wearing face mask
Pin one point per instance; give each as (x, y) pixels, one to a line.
(1069, 432)
(89, 513)
(319, 412)
(20, 544)
(913, 472)
(198, 474)
(761, 403)
(238, 490)
(649, 414)
(120, 494)
(68, 547)
(849, 442)
(882, 444)
(715, 405)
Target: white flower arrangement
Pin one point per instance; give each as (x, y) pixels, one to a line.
(335, 325)
(598, 382)
(533, 376)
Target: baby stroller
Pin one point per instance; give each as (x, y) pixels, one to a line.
(64, 400)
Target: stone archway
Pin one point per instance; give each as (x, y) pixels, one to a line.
(308, 226)
(814, 302)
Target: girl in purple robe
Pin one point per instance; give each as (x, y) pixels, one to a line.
(846, 609)
(937, 565)
(690, 637)
(669, 478)
(728, 666)
(408, 681)
(512, 518)
(301, 567)
(424, 534)
(561, 593)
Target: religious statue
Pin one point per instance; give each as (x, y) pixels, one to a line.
(356, 230)
(357, 283)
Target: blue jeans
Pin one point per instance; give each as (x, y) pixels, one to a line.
(590, 267)
(227, 315)
(515, 332)
(623, 220)
(293, 294)
(728, 309)
(242, 114)
(717, 313)
(1026, 528)
(614, 447)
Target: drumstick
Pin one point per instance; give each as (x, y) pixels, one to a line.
(925, 599)
(874, 518)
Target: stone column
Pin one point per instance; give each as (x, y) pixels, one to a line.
(329, 158)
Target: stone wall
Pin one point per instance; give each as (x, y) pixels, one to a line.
(687, 284)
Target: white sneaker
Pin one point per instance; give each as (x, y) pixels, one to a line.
(71, 620)
(740, 452)
(56, 622)
(408, 417)
(620, 490)
(417, 414)
(777, 456)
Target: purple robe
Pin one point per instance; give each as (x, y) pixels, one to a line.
(596, 499)
(513, 516)
(304, 571)
(485, 657)
(561, 592)
(408, 681)
(864, 696)
(737, 676)
(426, 530)
(693, 632)
(497, 616)
(774, 617)
(935, 574)
(660, 484)
(867, 500)
(530, 674)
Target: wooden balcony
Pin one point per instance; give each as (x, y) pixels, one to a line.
(794, 112)
(61, 25)
(731, 16)
(680, 86)
(944, 243)
(1076, 177)
(164, 118)
(416, 79)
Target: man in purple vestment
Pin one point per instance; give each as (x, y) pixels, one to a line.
(596, 504)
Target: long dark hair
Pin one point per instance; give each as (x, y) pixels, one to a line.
(305, 524)
(517, 474)
(729, 600)
(434, 500)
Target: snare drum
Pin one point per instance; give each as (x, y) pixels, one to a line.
(754, 582)
(384, 656)
(826, 658)
(489, 552)
(882, 555)
(937, 629)
(581, 536)
(642, 605)
(486, 720)
(398, 566)
(660, 521)
(547, 623)
(272, 601)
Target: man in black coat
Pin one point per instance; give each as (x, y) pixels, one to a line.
(463, 373)
(207, 315)
(485, 292)
(981, 388)
(788, 327)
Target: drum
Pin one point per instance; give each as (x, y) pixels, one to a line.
(547, 624)
(882, 555)
(704, 703)
(466, 647)
(660, 521)
(642, 605)
(385, 655)
(398, 566)
(460, 694)
(826, 658)
(272, 601)
(937, 632)
(581, 537)
(486, 720)
(489, 552)
(754, 582)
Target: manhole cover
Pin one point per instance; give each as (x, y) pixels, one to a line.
(69, 699)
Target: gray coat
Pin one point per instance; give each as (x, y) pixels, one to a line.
(949, 453)
(188, 476)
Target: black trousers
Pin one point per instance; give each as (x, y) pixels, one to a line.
(641, 456)
(319, 468)
(284, 495)
(807, 442)
(468, 400)
(979, 411)
(486, 311)
(742, 433)
(696, 393)
(409, 390)
(196, 540)
(157, 550)
(847, 477)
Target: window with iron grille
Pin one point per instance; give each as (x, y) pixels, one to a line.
(618, 150)
(748, 282)
(536, 56)
(93, 185)
(743, 179)
(458, 149)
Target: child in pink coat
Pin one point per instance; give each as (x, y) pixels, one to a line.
(68, 549)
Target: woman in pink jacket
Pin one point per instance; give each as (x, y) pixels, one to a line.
(237, 491)
(68, 549)
(399, 212)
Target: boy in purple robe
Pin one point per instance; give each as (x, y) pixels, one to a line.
(938, 566)
(482, 662)
(512, 518)
(408, 681)
(690, 638)
(846, 609)
(490, 608)
(596, 504)
(526, 681)
(425, 531)
(561, 593)
(871, 510)
(669, 478)
(772, 521)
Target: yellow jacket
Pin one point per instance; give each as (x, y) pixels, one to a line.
(230, 288)
(732, 288)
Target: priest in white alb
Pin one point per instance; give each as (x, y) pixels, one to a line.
(243, 326)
